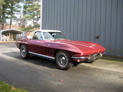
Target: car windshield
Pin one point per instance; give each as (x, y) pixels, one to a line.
(53, 35)
(48, 36)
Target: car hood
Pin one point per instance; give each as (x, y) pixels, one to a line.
(84, 46)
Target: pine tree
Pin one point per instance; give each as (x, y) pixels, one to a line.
(31, 12)
(1, 3)
(13, 7)
(3, 7)
(7, 10)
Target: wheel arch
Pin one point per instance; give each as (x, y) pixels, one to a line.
(21, 44)
(56, 52)
(69, 52)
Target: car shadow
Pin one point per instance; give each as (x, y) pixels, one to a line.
(33, 59)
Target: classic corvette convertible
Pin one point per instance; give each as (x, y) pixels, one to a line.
(52, 44)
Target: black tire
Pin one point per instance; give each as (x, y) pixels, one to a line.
(24, 52)
(63, 60)
(76, 63)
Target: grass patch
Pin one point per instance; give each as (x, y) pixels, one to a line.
(4, 87)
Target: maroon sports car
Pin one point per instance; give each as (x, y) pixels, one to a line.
(53, 45)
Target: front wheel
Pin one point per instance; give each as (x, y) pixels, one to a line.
(24, 52)
(63, 60)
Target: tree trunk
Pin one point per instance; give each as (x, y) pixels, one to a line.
(0, 16)
(23, 21)
(3, 19)
(11, 15)
(0, 23)
(3, 16)
(10, 23)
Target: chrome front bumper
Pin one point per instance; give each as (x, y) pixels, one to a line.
(84, 58)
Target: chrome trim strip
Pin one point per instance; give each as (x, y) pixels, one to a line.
(85, 57)
(81, 57)
(42, 55)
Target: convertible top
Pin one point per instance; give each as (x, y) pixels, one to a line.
(30, 36)
(48, 30)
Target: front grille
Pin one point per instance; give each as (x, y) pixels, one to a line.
(95, 54)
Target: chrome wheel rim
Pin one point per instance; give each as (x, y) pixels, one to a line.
(62, 60)
(23, 52)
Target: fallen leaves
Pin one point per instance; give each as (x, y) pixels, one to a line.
(13, 88)
(52, 74)
(61, 80)
(108, 63)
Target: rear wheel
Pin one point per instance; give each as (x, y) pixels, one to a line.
(63, 60)
(24, 52)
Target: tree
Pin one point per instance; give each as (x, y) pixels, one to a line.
(31, 12)
(1, 2)
(3, 6)
(7, 10)
(13, 7)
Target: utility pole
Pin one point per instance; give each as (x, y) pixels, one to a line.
(41, 11)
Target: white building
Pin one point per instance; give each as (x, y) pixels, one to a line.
(10, 34)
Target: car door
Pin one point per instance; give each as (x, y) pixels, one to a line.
(37, 44)
(48, 44)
